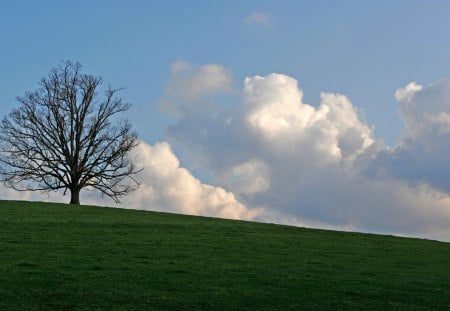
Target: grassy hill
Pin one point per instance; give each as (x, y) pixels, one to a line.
(59, 257)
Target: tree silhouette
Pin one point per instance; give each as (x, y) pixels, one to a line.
(65, 136)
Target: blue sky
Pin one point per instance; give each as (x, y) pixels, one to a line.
(362, 49)
(365, 50)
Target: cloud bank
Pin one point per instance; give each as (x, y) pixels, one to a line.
(321, 166)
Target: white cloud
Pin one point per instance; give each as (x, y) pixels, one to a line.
(274, 105)
(168, 187)
(422, 155)
(405, 94)
(190, 82)
(258, 18)
(309, 165)
(275, 109)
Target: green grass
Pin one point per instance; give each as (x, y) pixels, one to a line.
(59, 257)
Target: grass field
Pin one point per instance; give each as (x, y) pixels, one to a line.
(59, 257)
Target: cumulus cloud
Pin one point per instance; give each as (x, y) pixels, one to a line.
(421, 155)
(275, 109)
(192, 82)
(424, 109)
(258, 18)
(166, 186)
(308, 165)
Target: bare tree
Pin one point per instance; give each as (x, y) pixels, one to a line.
(62, 136)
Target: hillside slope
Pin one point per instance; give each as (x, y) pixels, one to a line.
(59, 257)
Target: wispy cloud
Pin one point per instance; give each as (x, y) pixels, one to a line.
(258, 19)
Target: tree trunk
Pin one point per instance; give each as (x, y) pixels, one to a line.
(75, 196)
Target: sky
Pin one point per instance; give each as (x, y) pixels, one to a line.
(324, 114)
